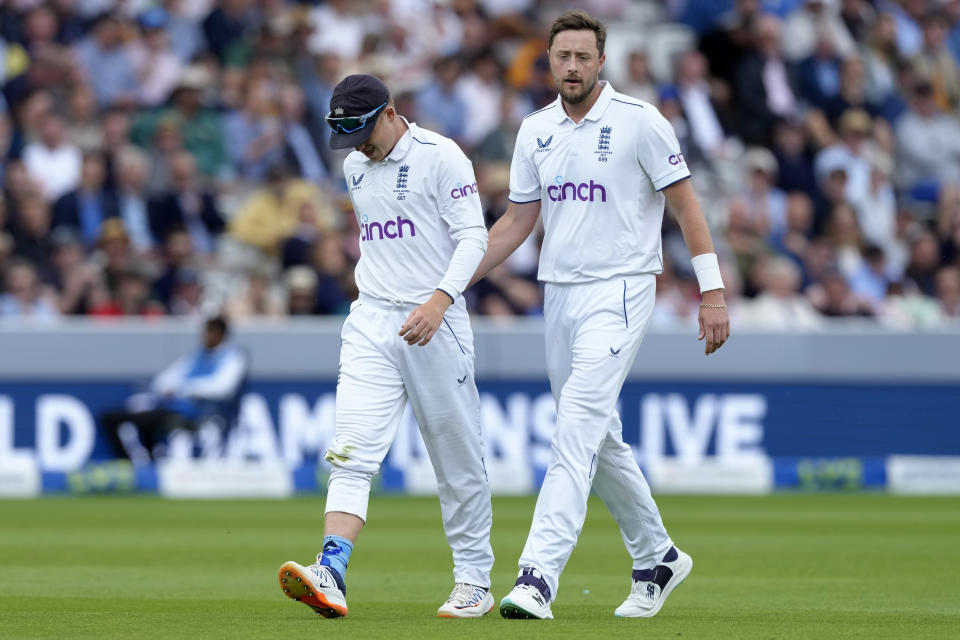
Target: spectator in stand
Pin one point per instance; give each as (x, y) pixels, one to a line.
(482, 93)
(852, 152)
(183, 29)
(497, 146)
(947, 283)
(176, 255)
(131, 295)
(948, 225)
(157, 65)
(187, 205)
(819, 74)
(877, 211)
(297, 248)
(114, 253)
(833, 298)
(924, 262)
(254, 135)
(108, 63)
(200, 126)
(815, 22)
(271, 214)
(440, 106)
(299, 145)
(132, 168)
(87, 206)
(335, 285)
(53, 161)
(23, 294)
(746, 239)
(844, 233)
(187, 298)
(794, 241)
(301, 288)
(226, 26)
(767, 205)
(338, 27)
(851, 93)
(928, 147)
(779, 304)
(731, 40)
(83, 123)
(50, 62)
(874, 277)
(765, 83)
(794, 160)
(258, 297)
(639, 81)
(32, 235)
(881, 58)
(76, 280)
(935, 62)
(857, 16)
(707, 133)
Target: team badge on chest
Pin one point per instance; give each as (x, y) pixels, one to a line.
(402, 190)
(603, 144)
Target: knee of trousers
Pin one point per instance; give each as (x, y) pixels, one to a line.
(344, 457)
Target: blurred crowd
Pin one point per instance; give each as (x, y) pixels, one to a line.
(171, 157)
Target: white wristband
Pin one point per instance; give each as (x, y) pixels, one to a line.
(708, 271)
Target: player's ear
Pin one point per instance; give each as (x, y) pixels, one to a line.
(603, 59)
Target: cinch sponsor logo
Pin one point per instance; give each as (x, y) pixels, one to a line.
(584, 191)
(463, 190)
(676, 158)
(390, 229)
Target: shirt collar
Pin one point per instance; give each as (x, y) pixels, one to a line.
(596, 111)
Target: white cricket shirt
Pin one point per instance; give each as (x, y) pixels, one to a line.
(414, 207)
(598, 182)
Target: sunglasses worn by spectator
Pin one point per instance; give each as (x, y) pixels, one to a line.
(349, 124)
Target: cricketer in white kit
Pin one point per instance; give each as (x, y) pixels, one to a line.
(597, 166)
(407, 339)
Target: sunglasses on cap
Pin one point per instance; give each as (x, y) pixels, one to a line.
(349, 124)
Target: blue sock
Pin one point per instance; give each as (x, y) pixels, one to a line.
(336, 554)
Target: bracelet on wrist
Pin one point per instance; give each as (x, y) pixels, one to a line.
(713, 306)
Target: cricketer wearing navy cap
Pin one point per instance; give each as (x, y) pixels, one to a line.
(354, 107)
(407, 341)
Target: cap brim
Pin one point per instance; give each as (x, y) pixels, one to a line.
(346, 140)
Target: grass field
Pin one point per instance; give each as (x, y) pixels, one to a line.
(786, 566)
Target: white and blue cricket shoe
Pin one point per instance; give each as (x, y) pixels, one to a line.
(529, 599)
(466, 601)
(651, 587)
(316, 586)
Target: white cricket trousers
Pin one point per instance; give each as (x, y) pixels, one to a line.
(593, 332)
(379, 374)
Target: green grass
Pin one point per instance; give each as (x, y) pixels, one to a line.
(786, 566)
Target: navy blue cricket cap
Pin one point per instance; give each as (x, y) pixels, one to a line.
(354, 107)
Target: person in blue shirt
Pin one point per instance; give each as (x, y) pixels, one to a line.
(196, 389)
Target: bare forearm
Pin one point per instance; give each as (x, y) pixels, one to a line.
(505, 236)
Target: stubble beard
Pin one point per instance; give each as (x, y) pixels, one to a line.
(580, 96)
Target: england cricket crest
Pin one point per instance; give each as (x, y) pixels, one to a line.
(402, 190)
(603, 144)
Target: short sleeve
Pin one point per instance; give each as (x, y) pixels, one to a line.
(524, 177)
(457, 197)
(658, 151)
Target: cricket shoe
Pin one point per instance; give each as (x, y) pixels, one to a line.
(530, 598)
(316, 586)
(466, 601)
(651, 587)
